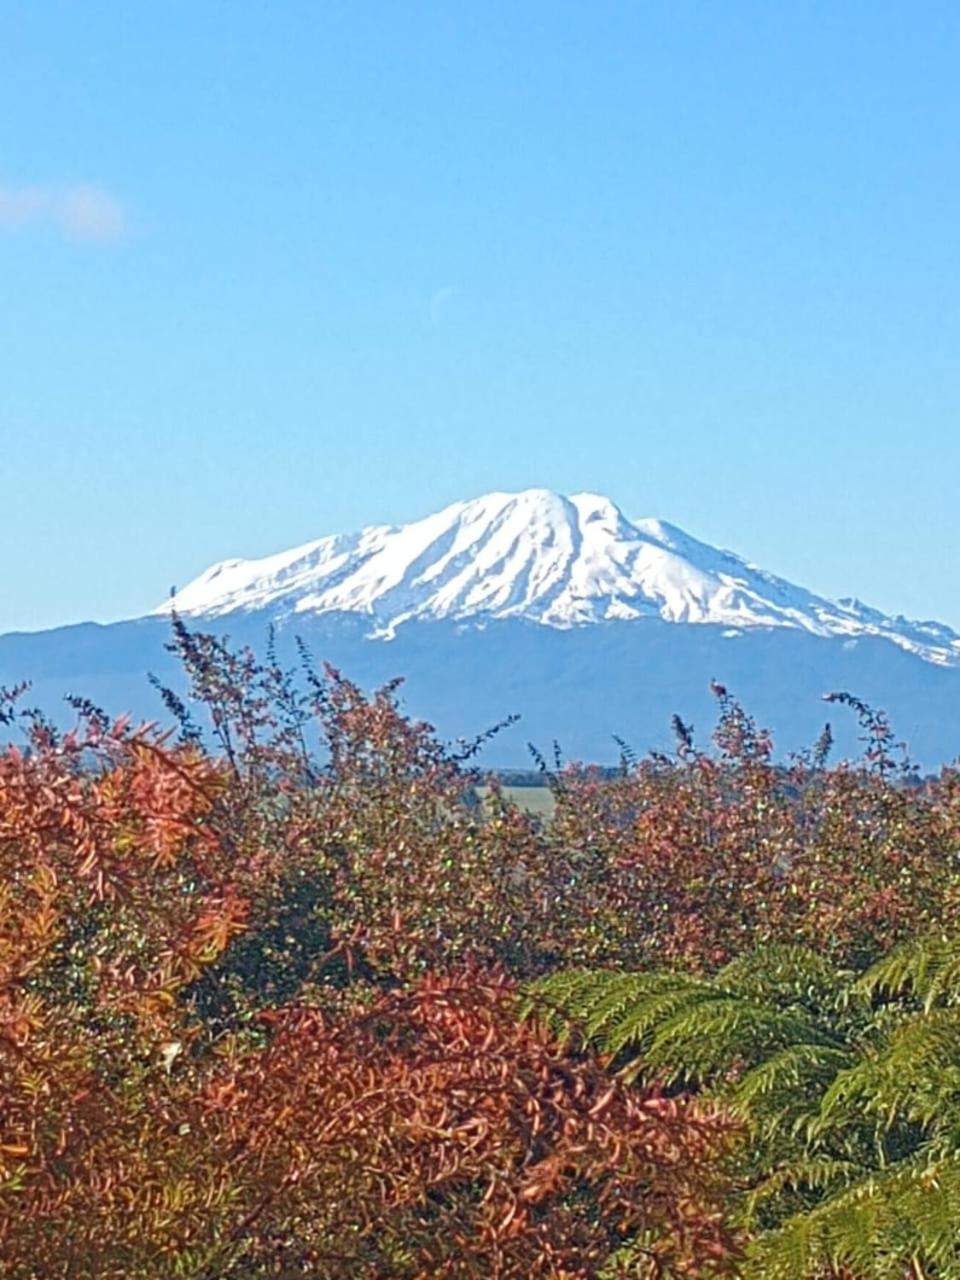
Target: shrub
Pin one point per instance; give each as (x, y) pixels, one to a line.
(188, 1089)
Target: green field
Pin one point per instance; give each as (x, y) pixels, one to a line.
(535, 800)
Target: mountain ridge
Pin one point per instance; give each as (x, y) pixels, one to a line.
(559, 561)
(589, 625)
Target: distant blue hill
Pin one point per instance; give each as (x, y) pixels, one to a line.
(579, 686)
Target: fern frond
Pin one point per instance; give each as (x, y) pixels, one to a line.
(641, 1023)
(558, 1001)
(708, 1038)
(690, 1027)
(613, 1022)
(790, 973)
(611, 1011)
(914, 1077)
(886, 1224)
(798, 1072)
(928, 967)
(814, 1173)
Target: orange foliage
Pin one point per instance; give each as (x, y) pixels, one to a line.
(357, 1128)
(698, 859)
(256, 1008)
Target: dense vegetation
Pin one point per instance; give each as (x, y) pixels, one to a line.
(292, 1003)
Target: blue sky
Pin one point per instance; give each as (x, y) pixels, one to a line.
(272, 270)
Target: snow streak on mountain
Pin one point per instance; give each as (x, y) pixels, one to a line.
(559, 561)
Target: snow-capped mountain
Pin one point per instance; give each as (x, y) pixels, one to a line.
(559, 561)
(586, 623)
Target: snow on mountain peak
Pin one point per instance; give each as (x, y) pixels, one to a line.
(555, 560)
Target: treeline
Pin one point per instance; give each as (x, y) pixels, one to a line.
(288, 1003)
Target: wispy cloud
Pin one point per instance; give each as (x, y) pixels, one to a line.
(80, 211)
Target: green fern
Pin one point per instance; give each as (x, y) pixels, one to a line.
(884, 1225)
(847, 1086)
(928, 968)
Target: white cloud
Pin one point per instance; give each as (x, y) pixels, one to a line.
(82, 211)
(91, 213)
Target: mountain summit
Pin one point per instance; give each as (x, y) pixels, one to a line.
(586, 623)
(559, 561)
